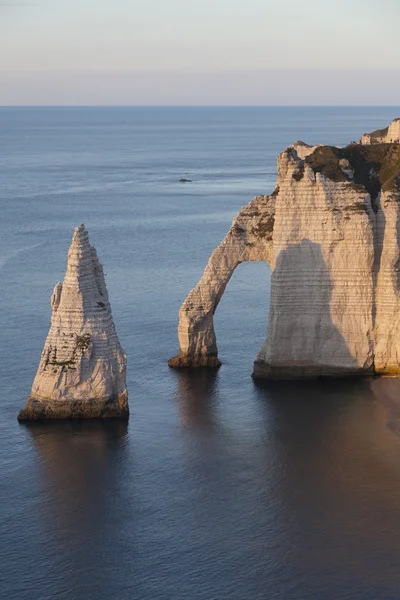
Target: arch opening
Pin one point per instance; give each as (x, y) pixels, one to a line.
(241, 318)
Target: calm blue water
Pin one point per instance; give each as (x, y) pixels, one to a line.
(216, 489)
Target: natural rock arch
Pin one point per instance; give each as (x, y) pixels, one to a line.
(333, 223)
(249, 239)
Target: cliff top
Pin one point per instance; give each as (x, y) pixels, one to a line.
(373, 163)
(376, 167)
(381, 133)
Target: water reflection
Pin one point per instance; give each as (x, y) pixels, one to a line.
(78, 465)
(387, 391)
(338, 474)
(196, 396)
(288, 488)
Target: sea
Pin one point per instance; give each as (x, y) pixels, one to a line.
(217, 488)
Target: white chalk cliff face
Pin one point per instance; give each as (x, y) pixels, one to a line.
(330, 233)
(82, 371)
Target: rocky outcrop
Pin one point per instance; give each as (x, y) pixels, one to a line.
(82, 371)
(330, 233)
(388, 135)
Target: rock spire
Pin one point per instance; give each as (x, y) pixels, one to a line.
(82, 370)
(331, 234)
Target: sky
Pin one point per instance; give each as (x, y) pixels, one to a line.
(196, 52)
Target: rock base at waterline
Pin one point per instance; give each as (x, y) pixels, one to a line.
(182, 361)
(111, 408)
(305, 370)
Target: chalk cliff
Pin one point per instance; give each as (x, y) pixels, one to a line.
(330, 233)
(388, 135)
(82, 368)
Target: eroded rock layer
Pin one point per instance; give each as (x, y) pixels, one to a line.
(82, 371)
(330, 233)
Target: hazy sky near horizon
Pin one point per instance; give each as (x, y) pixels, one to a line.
(209, 37)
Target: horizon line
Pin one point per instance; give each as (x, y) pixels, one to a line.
(199, 106)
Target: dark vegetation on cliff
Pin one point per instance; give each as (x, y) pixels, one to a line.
(376, 167)
(265, 227)
(380, 133)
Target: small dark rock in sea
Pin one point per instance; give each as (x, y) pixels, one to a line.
(183, 180)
